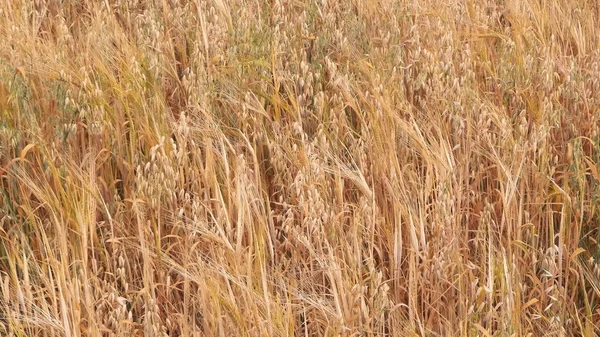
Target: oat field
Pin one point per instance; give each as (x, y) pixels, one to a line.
(299, 168)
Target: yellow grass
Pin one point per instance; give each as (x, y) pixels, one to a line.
(299, 168)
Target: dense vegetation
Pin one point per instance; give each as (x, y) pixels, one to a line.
(299, 168)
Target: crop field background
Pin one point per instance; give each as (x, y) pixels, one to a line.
(299, 168)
